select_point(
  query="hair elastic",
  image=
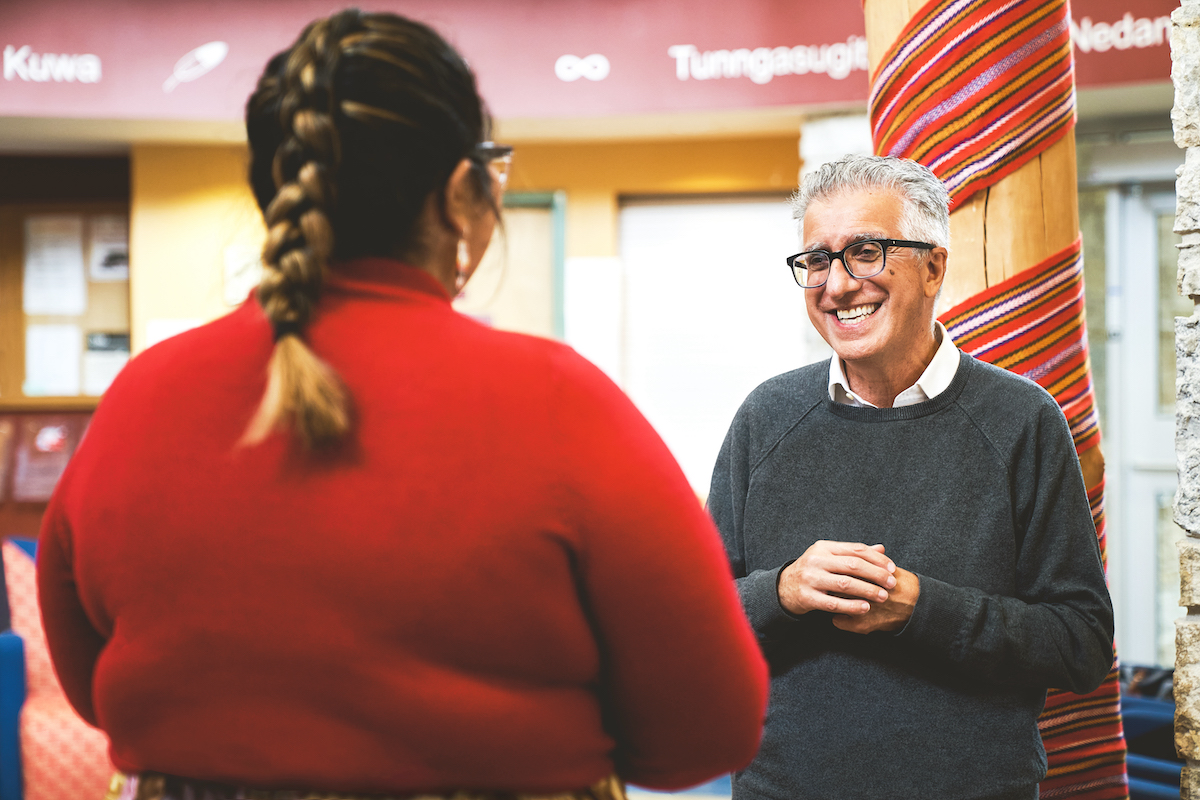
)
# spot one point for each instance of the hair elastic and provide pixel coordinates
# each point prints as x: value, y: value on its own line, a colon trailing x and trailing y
x: 286, y: 328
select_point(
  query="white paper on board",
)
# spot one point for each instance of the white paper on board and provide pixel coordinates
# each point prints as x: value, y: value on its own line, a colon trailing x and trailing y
x: 109, y: 248
x: 100, y: 369
x: 54, y: 281
x: 105, y: 356
x: 52, y: 360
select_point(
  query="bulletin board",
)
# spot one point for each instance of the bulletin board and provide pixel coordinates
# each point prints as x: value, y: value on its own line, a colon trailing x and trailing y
x: 64, y: 304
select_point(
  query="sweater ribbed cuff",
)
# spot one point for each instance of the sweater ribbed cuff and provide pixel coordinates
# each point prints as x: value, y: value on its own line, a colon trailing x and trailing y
x: 942, y: 613
x: 760, y: 599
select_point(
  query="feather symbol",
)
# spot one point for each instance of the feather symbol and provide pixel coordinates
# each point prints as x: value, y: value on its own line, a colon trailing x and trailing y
x: 196, y: 63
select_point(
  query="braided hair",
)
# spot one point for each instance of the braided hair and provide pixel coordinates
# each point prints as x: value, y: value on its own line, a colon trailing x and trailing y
x: 350, y: 131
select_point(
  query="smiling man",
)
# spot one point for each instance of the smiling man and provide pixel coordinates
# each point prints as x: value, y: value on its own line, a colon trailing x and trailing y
x: 908, y: 527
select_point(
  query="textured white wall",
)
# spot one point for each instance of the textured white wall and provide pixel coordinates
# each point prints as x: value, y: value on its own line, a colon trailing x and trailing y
x: 1185, y: 117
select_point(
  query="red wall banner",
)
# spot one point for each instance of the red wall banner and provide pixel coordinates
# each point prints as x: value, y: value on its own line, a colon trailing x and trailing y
x: 198, y: 59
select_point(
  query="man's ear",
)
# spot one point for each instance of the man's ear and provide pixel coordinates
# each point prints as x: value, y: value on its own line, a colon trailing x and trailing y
x: 460, y: 203
x: 935, y: 271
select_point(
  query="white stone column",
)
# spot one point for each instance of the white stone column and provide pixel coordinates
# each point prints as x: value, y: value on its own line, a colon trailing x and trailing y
x: 1185, y: 118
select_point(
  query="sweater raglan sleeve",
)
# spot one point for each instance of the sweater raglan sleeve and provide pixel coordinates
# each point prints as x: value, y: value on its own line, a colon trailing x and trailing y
x: 1058, y: 629
x: 74, y: 643
x: 758, y: 589
x: 684, y: 684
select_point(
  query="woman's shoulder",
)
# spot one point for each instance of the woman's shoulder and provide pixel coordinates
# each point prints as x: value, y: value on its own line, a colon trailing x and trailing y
x: 552, y: 372
x: 194, y: 351
x: 556, y: 359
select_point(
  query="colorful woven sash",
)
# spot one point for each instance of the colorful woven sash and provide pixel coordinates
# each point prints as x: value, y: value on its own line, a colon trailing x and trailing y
x: 1033, y: 324
x: 973, y: 89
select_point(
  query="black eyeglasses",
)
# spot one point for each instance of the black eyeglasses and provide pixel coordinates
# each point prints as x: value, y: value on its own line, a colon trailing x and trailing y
x: 864, y: 259
x: 496, y: 156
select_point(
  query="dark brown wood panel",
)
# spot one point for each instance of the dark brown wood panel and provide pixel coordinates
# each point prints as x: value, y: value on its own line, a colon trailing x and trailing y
x: 21, y: 519
x: 59, y: 179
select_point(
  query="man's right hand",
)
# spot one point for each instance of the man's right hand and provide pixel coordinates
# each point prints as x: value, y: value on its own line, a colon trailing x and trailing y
x: 840, y: 577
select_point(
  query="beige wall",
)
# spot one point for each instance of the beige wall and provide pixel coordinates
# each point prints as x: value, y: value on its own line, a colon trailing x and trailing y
x: 191, y: 203
x: 188, y: 205
x: 596, y: 175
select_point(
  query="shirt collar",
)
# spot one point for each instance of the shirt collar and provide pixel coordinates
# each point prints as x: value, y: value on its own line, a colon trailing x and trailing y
x: 373, y: 275
x: 938, y: 375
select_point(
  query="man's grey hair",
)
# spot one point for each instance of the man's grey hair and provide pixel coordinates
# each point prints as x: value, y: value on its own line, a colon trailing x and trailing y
x: 925, y: 216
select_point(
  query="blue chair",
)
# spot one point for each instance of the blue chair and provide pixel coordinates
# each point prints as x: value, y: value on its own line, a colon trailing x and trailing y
x: 12, y: 691
x: 1154, y: 770
x: 12, y: 697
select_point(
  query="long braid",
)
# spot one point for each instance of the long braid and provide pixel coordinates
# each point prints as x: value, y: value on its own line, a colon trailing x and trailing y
x: 351, y: 130
x: 303, y: 392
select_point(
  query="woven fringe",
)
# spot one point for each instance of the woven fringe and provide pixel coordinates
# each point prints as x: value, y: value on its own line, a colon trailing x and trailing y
x: 153, y: 786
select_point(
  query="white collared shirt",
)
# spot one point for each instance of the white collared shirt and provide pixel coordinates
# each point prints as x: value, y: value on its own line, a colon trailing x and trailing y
x: 933, y: 381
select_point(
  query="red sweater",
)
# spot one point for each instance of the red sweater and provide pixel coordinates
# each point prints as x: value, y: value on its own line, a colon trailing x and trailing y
x: 502, y: 579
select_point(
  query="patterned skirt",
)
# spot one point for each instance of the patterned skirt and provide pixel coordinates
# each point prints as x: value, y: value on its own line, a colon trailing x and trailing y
x: 153, y: 786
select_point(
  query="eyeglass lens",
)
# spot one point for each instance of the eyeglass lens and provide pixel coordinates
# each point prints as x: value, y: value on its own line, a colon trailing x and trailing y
x: 502, y: 166
x: 498, y: 158
x: 862, y: 260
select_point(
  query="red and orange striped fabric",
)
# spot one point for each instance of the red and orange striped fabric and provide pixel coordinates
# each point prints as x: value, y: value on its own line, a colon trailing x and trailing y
x: 973, y: 89
x: 1033, y: 324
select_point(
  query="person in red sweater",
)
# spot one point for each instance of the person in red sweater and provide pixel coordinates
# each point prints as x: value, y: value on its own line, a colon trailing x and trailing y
x: 346, y: 540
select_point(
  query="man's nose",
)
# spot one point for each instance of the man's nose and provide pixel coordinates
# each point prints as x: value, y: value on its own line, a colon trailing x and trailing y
x: 840, y: 281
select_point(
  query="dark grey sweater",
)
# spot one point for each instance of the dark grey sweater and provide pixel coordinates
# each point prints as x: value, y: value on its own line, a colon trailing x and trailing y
x: 978, y: 491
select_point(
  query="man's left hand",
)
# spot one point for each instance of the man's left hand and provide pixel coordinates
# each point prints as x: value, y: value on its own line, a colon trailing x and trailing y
x: 890, y: 615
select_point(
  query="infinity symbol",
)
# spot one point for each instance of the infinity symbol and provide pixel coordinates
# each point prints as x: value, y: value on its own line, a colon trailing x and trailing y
x: 571, y: 68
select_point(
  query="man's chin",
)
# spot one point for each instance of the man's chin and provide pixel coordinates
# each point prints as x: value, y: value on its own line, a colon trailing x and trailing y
x: 848, y: 342
x: 851, y: 350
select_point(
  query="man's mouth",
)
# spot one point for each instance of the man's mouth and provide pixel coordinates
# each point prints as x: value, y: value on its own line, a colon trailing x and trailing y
x: 856, y: 314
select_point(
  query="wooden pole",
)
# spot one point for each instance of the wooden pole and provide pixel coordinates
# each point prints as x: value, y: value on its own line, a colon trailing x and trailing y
x: 1016, y: 223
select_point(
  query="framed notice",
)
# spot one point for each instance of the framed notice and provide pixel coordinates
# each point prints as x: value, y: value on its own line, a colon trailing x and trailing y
x: 108, y: 248
x: 44, y: 444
